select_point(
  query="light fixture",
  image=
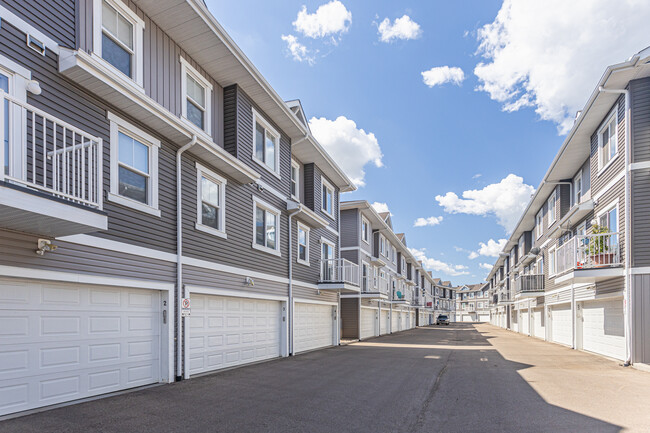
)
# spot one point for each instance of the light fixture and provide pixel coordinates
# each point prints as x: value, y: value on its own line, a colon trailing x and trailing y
x: 250, y: 282
x: 34, y: 87
x: 45, y: 245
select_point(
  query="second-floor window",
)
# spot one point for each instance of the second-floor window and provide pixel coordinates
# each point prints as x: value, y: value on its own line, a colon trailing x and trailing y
x: 118, y: 37
x: 552, y: 269
x: 539, y: 224
x: 266, y: 228
x: 295, y: 179
x: 577, y: 188
x: 197, y: 95
x: 303, y: 244
x: 328, y: 198
x: 266, y: 144
x: 551, y: 208
x: 607, y: 140
x: 365, y: 230
x: 211, y: 202
x: 382, y: 245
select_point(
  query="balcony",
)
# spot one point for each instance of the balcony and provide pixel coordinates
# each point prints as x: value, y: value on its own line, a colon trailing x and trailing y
x: 504, y: 298
x: 339, y: 275
x: 402, y: 297
x: 374, y: 287
x: 589, y: 258
x: 531, y: 284
x: 51, y: 184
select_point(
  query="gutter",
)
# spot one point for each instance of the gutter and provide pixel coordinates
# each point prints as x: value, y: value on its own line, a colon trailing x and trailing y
x: 627, y: 298
x: 179, y: 257
x: 290, y: 306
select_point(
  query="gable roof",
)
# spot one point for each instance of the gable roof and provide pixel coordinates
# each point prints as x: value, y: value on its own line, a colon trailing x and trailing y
x: 296, y: 108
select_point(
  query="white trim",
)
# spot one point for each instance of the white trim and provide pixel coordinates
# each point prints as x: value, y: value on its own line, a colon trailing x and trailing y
x: 221, y: 182
x: 258, y: 118
x: 295, y: 164
x: 369, y: 229
x: 643, y: 165
x: 640, y: 270
x: 133, y: 204
x: 122, y: 247
x: 332, y: 230
x: 350, y: 248
x: 188, y: 69
x: 551, y: 251
x: 257, y: 202
x: 612, y: 114
x: 539, y: 226
x: 313, y: 301
x: 204, y: 290
x: 605, y: 189
x: 27, y: 28
x: 73, y: 277
x: 325, y: 183
x: 548, y: 208
x: 265, y: 186
x: 138, y: 38
x: 306, y: 229
x: 16, y: 68
x: 574, y: 190
x: 608, y: 207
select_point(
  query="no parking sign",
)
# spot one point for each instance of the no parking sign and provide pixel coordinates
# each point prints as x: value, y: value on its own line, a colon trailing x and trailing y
x: 185, y: 307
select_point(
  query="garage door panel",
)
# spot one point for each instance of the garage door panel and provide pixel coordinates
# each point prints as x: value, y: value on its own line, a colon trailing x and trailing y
x: 368, y: 319
x: 384, y: 322
x: 603, y: 328
x: 561, y: 327
x: 313, y: 327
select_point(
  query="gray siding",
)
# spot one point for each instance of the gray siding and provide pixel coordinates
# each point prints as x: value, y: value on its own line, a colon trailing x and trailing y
x: 211, y: 278
x: 307, y: 293
x: 641, y: 318
x: 55, y: 18
x: 640, y: 224
x: 350, y: 228
x: 350, y: 318
x: 600, y: 180
x: 640, y: 119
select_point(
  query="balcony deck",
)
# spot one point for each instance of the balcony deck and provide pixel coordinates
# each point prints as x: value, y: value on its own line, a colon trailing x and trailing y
x: 589, y: 258
x: 339, y: 275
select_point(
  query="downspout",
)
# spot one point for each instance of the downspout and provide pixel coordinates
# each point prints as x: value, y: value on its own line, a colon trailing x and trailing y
x: 573, y: 318
x: 627, y: 298
x: 179, y: 257
x: 290, y: 306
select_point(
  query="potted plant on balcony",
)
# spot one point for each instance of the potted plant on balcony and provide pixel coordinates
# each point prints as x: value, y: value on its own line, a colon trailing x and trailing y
x: 598, y: 247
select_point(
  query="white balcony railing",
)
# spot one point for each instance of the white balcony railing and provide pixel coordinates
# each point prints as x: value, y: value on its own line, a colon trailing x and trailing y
x: 339, y: 271
x: 382, y: 285
x: 48, y: 154
x: 589, y: 252
x: 529, y: 283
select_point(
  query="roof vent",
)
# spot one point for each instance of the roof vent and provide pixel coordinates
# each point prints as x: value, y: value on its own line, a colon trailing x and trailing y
x: 36, y: 45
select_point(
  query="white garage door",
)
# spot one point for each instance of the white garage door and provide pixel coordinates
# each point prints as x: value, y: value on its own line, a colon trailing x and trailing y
x: 483, y: 317
x: 561, y: 324
x: 225, y: 331
x: 395, y: 321
x: 62, y: 342
x: 603, y: 328
x: 523, y: 322
x: 405, y: 320
x: 313, y: 327
x: 539, y: 325
x: 368, y: 320
x: 466, y: 318
x: 412, y: 322
x: 384, y: 322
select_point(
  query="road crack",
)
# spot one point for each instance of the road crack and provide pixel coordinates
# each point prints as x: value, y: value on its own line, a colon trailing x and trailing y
x: 419, y: 420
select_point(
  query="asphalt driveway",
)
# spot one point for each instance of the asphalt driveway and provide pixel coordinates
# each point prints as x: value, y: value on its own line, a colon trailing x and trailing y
x: 460, y: 378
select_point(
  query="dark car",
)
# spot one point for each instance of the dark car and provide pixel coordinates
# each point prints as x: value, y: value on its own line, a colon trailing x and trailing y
x: 442, y: 319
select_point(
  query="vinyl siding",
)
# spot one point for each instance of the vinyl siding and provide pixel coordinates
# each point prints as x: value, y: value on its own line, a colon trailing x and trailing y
x: 641, y: 318
x: 55, y: 18
x: 640, y: 119
x: 600, y: 180
x: 350, y: 228
x: 640, y: 224
x: 350, y: 318
x: 210, y: 278
x: 312, y: 294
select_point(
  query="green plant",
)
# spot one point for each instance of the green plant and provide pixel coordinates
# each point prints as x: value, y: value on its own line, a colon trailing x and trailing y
x: 598, y: 244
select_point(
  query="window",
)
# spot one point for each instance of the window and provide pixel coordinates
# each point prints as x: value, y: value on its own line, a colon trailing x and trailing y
x: 608, y: 140
x: 609, y: 219
x: 4, y: 85
x: 266, y: 144
x: 327, y: 260
x: 197, y: 97
x: 13, y: 81
x: 552, y: 268
x: 295, y: 180
x: 266, y: 227
x: 328, y: 197
x: 539, y: 227
x: 211, y: 205
x: 551, y: 208
x: 480, y: 305
x: 394, y: 256
x: 118, y: 37
x: 303, y: 244
x: 365, y: 284
x: 134, y: 167
x: 577, y: 188
x: 540, y: 266
x: 471, y: 295
x: 403, y: 265
x: 382, y: 245
x: 365, y: 230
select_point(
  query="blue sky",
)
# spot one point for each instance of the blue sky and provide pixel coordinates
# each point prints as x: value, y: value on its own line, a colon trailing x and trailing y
x: 434, y: 140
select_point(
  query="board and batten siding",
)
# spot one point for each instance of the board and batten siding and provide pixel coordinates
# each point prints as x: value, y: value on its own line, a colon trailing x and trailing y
x: 64, y: 99
x: 640, y: 179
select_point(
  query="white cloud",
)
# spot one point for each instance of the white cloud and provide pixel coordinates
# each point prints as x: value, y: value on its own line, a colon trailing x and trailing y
x: 550, y: 54
x: 443, y: 74
x: 473, y: 255
x: 431, y: 221
x: 298, y: 51
x: 401, y: 28
x: 506, y: 200
x: 477, y: 175
x: 486, y: 266
x: 492, y: 248
x: 437, y: 265
x: 352, y: 148
x: 330, y: 19
x: 380, y: 207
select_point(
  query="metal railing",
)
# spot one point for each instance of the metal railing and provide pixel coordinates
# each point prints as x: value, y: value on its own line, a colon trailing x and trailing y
x: 504, y: 297
x: 48, y: 154
x: 382, y: 285
x: 589, y: 252
x: 529, y: 283
x: 339, y: 271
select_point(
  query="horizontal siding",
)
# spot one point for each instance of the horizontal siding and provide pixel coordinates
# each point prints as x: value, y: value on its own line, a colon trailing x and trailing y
x: 215, y: 279
x: 640, y: 223
x: 640, y: 119
x: 600, y: 180
x: 55, y: 18
x: 350, y: 228
x: 312, y: 294
x: 610, y: 286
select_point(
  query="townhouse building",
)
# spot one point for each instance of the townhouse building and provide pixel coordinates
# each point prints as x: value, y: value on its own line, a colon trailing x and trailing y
x: 163, y: 212
x: 576, y: 269
x: 444, y: 299
x: 396, y: 293
x: 473, y: 303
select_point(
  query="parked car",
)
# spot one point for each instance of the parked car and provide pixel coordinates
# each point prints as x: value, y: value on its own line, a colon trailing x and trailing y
x: 443, y: 319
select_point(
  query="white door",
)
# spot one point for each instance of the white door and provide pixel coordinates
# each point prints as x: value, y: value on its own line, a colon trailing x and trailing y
x: 523, y: 322
x: 61, y: 342
x: 368, y: 320
x: 395, y: 321
x: 313, y: 327
x: 603, y: 328
x: 467, y: 318
x: 405, y: 320
x: 228, y: 331
x: 484, y: 318
x: 539, y: 325
x: 412, y: 323
x: 561, y: 331
x: 384, y: 322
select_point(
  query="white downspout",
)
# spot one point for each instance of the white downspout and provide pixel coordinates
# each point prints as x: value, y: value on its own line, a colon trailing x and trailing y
x: 290, y: 306
x: 627, y: 298
x: 179, y: 255
x: 573, y: 318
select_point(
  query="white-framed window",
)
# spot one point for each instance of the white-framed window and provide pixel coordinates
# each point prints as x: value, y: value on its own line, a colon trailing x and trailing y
x: 134, y: 166
x: 608, y: 140
x: 266, y: 144
x: 13, y: 81
x: 382, y: 245
x: 551, y: 208
x: 118, y: 34
x: 303, y: 244
x: 403, y: 265
x: 581, y: 230
x: 211, y: 201
x: 197, y: 98
x: 540, y: 265
x: 365, y: 277
x: 266, y: 233
x: 295, y: 180
x: 327, y: 197
x: 394, y: 255
x: 577, y: 188
x: 609, y: 218
x: 365, y: 230
x: 552, y: 265
x: 480, y: 305
x: 539, y: 223
x: 327, y: 257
